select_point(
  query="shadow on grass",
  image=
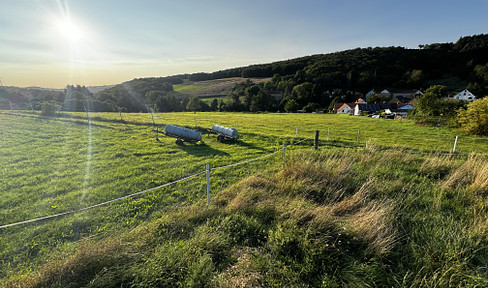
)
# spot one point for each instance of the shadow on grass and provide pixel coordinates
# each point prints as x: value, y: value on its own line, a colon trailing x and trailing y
x: 201, y: 150
x: 61, y: 119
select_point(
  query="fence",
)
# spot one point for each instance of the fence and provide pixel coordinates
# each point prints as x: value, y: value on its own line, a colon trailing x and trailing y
x: 207, y: 172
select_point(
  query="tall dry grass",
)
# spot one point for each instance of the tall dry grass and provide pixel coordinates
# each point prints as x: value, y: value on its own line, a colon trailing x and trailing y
x: 472, y: 174
x: 91, y: 265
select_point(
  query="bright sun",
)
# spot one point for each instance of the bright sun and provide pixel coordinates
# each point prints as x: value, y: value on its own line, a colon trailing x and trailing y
x: 70, y: 30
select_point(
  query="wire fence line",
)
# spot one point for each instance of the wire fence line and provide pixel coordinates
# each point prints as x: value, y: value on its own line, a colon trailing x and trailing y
x: 198, y: 174
x: 140, y: 192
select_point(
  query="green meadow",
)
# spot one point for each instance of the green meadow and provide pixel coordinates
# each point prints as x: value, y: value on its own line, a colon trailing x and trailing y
x: 427, y: 218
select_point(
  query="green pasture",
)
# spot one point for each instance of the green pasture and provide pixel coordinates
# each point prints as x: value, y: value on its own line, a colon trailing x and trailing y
x: 188, y: 88
x: 53, y: 165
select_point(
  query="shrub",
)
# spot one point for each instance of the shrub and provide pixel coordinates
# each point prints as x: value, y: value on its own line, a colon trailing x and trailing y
x: 474, y: 120
x: 49, y: 108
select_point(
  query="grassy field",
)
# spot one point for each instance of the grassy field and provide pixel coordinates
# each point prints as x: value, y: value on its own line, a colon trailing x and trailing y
x: 212, y: 87
x: 51, y: 166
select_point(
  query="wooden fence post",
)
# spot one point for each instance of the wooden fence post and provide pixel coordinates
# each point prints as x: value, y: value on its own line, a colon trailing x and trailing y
x: 316, y: 140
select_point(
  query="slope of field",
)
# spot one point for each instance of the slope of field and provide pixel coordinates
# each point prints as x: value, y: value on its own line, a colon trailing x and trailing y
x: 56, y: 165
x: 212, y: 88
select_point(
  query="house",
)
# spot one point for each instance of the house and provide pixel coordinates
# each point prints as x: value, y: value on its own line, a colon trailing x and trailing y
x: 385, y: 93
x: 465, y: 95
x: 371, y: 92
x: 407, y: 107
x: 370, y: 108
x: 360, y: 101
x: 346, y: 108
x: 399, y: 99
x: 406, y: 94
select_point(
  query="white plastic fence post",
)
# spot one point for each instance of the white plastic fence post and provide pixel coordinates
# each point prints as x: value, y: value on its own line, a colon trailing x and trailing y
x: 207, y: 168
x: 455, y: 144
x: 195, y: 118
x: 359, y: 134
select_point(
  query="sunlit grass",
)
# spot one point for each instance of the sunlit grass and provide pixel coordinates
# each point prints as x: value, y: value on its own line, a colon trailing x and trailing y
x: 52, y: 165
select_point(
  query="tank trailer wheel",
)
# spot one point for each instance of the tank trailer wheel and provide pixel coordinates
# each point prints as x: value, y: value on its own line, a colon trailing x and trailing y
x: 220, y: 138
x: 179, y: 142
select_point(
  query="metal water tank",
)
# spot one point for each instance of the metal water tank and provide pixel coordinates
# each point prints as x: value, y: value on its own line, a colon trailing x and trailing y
x: 184, y: 133
x: 229, y: 132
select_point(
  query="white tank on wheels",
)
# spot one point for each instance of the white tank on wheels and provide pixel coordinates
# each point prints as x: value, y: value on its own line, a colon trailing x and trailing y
x: 183, y: 133
x: 227, y: 132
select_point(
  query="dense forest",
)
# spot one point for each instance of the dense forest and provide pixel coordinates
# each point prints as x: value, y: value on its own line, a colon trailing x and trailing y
x: 307, y: 83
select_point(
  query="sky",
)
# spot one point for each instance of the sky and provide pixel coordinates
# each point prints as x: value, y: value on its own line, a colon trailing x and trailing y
x: 52, y: 43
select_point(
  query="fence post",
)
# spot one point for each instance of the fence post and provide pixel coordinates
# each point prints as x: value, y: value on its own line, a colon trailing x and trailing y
x: 359, y: 134
x: 284, y: 149
x: 316, y: 140
x: 328, y: 134
x: 195, y: 118
x: 455, y: 144
x: 207, y: 168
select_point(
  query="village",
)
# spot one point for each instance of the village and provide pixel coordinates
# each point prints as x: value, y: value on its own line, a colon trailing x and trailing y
x: 400, y: 105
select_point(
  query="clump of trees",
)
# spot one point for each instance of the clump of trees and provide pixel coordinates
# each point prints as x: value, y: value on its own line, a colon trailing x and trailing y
x: 474, y: 119
x: 434, y: 102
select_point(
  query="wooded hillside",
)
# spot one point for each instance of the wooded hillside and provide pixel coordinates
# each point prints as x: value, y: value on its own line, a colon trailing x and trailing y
x: 459, y: 65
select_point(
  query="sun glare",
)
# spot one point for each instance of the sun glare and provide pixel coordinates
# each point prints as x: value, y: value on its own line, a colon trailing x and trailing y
x: 70, y: 30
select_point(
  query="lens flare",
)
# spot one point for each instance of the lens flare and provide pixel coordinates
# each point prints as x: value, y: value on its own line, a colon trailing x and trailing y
x: 70, y: 30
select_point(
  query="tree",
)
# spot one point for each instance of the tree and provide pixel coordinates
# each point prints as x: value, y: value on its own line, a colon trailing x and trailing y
x: 302, y: 93
x: 429, y: 104
x: 291, y: 106
x: 250, y: 92
x: 157, y: 101
x: 262, y: 102
x: 49, y: 108
x: 194, y: 104
x: 474, y: 119
x: 214, y: 106
x: 221, y: 105
x: 337, y: 99
x: 311, y: 107
x: 378, y: 98
x: 77, y: 98
x: 438, y: 91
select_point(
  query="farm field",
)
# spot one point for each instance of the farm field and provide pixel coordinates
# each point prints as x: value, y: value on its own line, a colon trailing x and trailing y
x: 208, y: 88
x: 67, y: 163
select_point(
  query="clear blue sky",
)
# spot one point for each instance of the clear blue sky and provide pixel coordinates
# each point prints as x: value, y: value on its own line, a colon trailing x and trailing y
x: 51, y: 43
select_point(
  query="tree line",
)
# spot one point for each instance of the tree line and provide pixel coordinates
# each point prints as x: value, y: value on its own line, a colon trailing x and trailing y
x: 307, y: 83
